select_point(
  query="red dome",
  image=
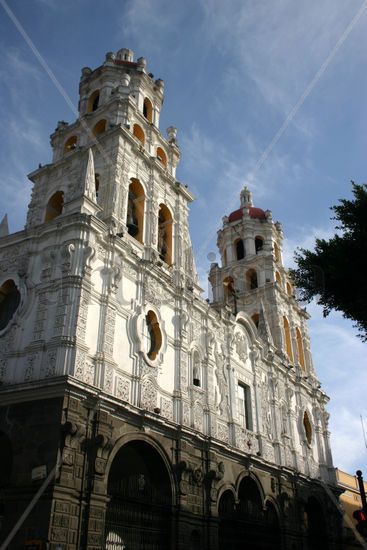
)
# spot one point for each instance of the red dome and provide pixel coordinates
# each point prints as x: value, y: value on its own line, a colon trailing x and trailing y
x: 253, y: 211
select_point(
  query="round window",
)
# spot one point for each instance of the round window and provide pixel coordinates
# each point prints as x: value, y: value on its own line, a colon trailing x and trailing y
x: 9, y: 302
x: 152, y: 335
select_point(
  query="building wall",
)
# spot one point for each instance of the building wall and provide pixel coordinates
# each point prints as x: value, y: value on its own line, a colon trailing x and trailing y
x: 114, y: 331
x: 350, y: 500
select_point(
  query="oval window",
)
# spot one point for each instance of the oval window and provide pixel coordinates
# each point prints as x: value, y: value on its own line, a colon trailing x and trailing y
x: 307, y: 427
x: 9, y: 302
x: 152, y: 335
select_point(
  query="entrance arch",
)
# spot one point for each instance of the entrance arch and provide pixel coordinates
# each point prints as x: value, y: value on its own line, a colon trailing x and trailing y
x: 228, y: 536
x: 138, y: 515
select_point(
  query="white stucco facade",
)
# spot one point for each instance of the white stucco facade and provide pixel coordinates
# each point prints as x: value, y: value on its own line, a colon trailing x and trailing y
x: 89, y: 289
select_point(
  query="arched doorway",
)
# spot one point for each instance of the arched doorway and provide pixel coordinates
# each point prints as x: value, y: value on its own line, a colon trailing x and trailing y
x: 272, y: 534
x: 228, y: 533
x: 317, y: 538
x: 138, y: 515
x: 258, y: 526
x: 6, y: 466
x: 250, y: 514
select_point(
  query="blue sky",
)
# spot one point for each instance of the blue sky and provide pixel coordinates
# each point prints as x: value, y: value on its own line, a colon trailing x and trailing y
x: 233, y: 73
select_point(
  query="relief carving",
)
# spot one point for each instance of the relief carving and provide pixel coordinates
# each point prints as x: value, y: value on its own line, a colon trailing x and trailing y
x: 123, y: 389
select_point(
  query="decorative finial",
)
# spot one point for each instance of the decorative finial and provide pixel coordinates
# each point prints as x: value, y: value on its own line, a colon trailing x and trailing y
x: 4, y: 227
x: 263, y: 327
x: 246, y: 197
x: 90, y: 179
x: 171, y: 133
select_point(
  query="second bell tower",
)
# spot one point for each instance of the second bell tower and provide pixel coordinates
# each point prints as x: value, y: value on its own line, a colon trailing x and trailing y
x: 252, y: 278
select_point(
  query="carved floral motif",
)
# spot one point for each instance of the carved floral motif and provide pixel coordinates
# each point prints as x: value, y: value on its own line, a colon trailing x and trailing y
x: 166, y: 408
x: 123, y: 389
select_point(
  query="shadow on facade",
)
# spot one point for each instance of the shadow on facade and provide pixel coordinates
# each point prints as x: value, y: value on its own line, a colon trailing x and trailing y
x: 146, y: 506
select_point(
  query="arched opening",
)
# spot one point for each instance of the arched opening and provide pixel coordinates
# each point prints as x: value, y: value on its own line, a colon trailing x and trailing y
x: 317, y: 538
x: 138, y: 133
x: 289, y: 289
x: 287, y: 339
x: 9, y: 302
x: 54, y: 206
x: 228, y: 536
x: 278, y: 278
x: 93, y: 102
x: 138, y: 514
x: 272, y: 530
x: 250, y: 514
x: 195, y: 540
x: 251, y: 279
x: 148, y: 110
x: 240, y: 249
x: 256, y: 318
x: 228, y: 288
x: 196, y: 369
x: 99, y: 128
x: 307, y: 427
x: 300, y: 351
x: 6, y: 467
x: 259, y: 244
x: 152, y: 335
x: 276, y: 252
x: 161, y: 156
x: 165, y: 234
x: 70, y: 144
x: 135, y: 210
x: 250, y: 502
x: 96, y: 182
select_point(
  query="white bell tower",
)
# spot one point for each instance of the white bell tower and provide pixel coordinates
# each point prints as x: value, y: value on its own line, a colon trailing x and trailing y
x: 252, y: 278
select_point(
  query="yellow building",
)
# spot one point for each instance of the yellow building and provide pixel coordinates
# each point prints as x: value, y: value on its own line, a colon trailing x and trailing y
x: 350, y: 501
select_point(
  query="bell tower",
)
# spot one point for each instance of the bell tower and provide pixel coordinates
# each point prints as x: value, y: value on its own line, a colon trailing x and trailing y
x: 253, y: 279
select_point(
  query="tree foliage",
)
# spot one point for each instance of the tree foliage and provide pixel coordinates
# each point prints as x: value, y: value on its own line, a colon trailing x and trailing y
x: 335, y: 271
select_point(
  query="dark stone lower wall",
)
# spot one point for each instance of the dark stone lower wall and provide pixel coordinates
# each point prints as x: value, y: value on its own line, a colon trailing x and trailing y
x: 89, y: 432
x: 31, y: 435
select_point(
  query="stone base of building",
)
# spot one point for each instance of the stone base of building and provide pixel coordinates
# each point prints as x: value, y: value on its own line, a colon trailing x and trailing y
x: 117, y: 477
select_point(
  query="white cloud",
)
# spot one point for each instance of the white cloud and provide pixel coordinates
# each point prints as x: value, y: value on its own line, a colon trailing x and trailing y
x: 304, y: 237
x: 347, y: 443
x: 279, y: 46
x: 148, y: 22
x: 340, y: 361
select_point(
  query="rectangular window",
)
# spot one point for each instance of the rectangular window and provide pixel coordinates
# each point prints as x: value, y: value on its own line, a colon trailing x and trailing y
x: 244, y: 406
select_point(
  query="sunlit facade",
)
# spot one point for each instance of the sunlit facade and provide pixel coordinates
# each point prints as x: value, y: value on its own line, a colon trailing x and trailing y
x: 164, y: 420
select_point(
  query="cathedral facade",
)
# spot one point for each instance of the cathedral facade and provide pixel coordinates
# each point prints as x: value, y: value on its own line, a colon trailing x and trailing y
x: 134, y: 413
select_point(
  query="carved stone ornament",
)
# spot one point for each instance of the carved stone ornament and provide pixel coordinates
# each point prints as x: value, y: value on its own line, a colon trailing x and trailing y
x: 29, y: 371
x: 2, y: 369
x: 108, y: 376
x: 12, y: 258
x: 100, y: 466
x: 50, y: 369
x: 198, y: 476
x: 222, y: 432
x: 79, y: 364
x: 122, y: 389
x: 222, y: 384
x: 148, y: 394
x: 198, y: 416
x: 167, y: 408
x: 239, y: 345
x: 186, y: 413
